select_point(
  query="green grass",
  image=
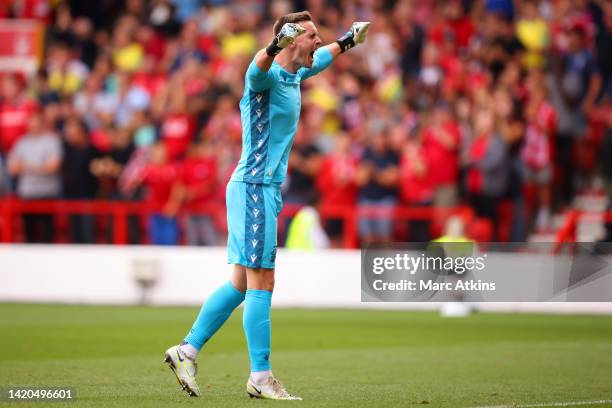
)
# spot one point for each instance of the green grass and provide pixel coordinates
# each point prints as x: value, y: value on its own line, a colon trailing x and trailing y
x: 112, y: 356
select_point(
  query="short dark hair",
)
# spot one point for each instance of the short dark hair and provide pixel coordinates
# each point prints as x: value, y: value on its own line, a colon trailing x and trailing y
x: 291, y: 18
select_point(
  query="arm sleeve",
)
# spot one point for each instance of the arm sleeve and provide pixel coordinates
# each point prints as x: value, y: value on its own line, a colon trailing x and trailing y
x: 322, y: 59
x: 258, y: 80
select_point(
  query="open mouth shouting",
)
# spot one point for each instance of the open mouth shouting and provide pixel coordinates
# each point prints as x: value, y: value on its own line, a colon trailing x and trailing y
x: 310, y: 58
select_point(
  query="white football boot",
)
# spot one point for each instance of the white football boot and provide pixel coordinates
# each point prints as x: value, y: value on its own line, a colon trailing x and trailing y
x: 271, y: 389
x: 184, y: 368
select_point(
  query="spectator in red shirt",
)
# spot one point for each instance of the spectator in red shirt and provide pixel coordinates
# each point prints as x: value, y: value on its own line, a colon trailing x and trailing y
x: 178, y: 126
x: 536, y: 151
x: 441, y: 142
x: 337, y: 185
x: 15, y: 109
x: 200, y: 180
x: 416, y: 184
x: 163, y: 195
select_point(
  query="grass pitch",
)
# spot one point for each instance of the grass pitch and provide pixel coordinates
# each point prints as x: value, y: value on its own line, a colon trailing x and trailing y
x: 112, y: 356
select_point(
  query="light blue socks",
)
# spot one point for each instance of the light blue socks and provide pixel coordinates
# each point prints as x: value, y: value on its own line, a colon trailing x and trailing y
x: 256, y: 323
x: 214, y: 312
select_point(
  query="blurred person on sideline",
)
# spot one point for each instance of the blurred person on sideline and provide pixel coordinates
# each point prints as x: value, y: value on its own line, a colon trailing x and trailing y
x: 487, y: 173
x: 177, y: 126
x: 109, y: 168
x: 441, y: 141
x: 161, y: 180
x: 306, y: 230
x: 35, y: 161
x: 304, y: 163
x: 66, y: 72
x: 199, y: 176
x: 126, y: 98
x: 533, y: 32
x: 511, y: 127
x: 377, y: 178
x: 605, y: 165
x: 417, y: 188
x: 574, y: 87
x: 536, y: 151
x: 15, y: 109
x: 337, y: 185
x: 78, y: 182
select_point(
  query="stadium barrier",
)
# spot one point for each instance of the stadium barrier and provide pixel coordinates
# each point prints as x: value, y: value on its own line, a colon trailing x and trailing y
x: 11, y: 209
x: 111, y: 274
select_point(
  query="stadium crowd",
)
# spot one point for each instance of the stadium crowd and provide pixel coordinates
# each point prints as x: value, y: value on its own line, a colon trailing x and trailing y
x: 448, y: 102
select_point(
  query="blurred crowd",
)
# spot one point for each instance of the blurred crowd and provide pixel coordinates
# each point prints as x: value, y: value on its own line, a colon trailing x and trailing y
x: 449, y: 102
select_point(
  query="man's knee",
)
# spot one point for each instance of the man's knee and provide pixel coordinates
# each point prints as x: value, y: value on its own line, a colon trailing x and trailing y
x: 239, y: 279
x: 261, y: 279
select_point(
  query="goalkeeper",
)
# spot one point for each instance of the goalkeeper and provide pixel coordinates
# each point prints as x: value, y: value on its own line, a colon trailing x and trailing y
x: 270, y: 109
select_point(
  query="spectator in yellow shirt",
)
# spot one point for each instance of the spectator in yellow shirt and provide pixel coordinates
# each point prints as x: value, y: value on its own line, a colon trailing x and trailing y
x: 533, y: 32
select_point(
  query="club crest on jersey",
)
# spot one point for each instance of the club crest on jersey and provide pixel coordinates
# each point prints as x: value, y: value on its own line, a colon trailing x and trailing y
x: 255, y: 227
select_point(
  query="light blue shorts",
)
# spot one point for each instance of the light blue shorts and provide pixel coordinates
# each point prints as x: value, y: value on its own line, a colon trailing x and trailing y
x: 252, y: 223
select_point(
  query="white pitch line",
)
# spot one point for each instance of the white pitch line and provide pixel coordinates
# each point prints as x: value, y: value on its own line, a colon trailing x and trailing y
x: 552, y: 404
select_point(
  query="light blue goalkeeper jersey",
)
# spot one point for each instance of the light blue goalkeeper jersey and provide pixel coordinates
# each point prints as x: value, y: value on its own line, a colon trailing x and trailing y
x: 270, y: 110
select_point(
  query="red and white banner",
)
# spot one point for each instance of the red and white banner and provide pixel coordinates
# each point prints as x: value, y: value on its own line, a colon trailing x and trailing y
x: 21, y: 45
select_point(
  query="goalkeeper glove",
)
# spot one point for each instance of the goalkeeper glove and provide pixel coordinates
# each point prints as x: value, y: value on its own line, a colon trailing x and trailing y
x: 356, y: 35
x: 285, y: 37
